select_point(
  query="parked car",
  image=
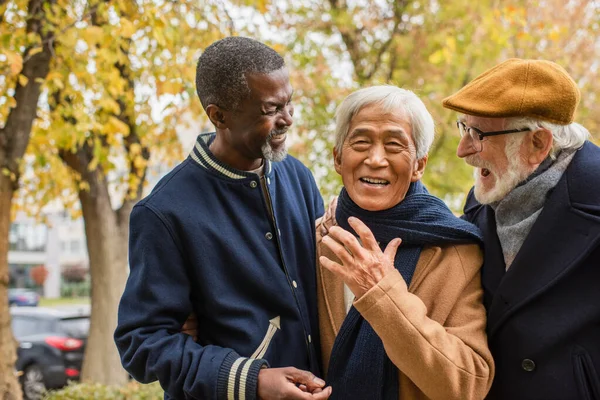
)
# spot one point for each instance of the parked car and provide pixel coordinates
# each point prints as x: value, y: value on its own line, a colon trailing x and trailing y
x: 51, y: 347
x: 23, y: 297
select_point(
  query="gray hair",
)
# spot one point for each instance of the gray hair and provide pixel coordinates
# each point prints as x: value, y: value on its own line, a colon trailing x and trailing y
x: 565, y: 137
x: 390, y: 98
x: 222, y: 69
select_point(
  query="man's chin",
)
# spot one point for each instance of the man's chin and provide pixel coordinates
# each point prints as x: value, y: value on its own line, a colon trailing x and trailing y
x: 271, y: 154
x: 484, y: 196
x: 502, y: 187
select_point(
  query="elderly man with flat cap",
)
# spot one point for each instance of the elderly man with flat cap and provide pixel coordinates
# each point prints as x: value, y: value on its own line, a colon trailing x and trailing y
x: 537, y: 200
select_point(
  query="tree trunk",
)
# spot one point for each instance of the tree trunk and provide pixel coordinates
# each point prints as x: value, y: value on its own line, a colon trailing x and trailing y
x: 107, y: 237
x: 9, y: 385
x: 14, y: 137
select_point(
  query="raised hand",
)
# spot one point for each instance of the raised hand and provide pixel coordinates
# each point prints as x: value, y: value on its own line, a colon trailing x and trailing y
x: 363, y: 266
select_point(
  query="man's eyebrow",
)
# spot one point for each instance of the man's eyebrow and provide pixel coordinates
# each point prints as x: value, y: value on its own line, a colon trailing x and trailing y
x: 395, y: 132
x: 276, y: 103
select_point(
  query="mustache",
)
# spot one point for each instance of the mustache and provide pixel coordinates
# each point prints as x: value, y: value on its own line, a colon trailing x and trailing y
x: 276, y: 132
x: 476, y: 162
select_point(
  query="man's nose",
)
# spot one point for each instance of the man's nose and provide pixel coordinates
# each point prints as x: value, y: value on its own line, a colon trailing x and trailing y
x: 465, y: 147
x: 287, y: 118
x: 377, y: 157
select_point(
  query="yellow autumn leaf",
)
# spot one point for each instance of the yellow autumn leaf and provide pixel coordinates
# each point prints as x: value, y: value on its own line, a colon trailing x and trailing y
x: 437, y: 57
x: 169, y: 87
x: 15, y: 61
x: 115, y: 125
x: 135, y: 149
x: 23, y: 80
x: 127, y: 29
x: 33, y: 51
x: 139, y: 162
x: 92, y: 34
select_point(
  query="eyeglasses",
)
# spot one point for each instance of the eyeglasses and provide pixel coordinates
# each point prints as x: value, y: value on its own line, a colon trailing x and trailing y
x: 477, y: 136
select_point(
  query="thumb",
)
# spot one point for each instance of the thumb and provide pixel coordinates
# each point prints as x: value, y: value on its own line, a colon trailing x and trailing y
x: 307, y: 378
x: 391, y: 249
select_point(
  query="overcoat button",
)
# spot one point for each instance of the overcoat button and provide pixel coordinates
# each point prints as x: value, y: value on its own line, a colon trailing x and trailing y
x: 269, y: 235
x: 528, y: 365
x: 253, y: 184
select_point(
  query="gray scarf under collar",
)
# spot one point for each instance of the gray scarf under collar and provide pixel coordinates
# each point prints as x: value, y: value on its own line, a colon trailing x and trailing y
x: 517, y: 212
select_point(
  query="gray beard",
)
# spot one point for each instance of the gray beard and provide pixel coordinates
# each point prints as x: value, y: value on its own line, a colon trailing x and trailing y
x: 273, y: 155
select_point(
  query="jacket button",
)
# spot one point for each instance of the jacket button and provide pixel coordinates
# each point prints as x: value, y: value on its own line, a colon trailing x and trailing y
x: 295, y: 284
x: 528, y: 365
x: 269, y: 235
x: 253, y: 184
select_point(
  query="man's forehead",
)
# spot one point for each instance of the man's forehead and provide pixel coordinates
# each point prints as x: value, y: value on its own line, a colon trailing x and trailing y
x: 265, y: 86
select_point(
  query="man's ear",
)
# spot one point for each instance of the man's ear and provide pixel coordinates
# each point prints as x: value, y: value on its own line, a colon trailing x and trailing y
x: 337, y: 161
x: 419, y: 168
x: 216, y: 116
x: 539, y: 144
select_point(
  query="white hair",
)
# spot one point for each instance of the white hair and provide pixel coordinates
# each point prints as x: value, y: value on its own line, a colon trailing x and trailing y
x: 390, y: 98
x: 565, y: 137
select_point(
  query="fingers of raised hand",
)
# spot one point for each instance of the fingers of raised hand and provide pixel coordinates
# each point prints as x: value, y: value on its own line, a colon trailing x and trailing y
x: 347, y: 239
x: 338, y: 249
x: 333, y: 267
x: 391, y: 249
x: 365, y: 234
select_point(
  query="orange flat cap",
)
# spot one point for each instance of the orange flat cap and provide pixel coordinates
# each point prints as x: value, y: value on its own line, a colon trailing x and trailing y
x: 520, y: 88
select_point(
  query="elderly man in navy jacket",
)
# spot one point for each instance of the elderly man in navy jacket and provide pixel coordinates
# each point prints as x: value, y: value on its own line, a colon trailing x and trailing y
x: 537, y: 200
x: 229, y: 236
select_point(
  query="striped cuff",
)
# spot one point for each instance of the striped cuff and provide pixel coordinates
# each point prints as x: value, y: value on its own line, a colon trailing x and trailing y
x: 238, y: 377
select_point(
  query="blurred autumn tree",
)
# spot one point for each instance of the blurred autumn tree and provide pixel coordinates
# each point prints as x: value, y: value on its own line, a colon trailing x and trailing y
x: 26, y: 35
x: 118, y: 79
x: 432, y: 48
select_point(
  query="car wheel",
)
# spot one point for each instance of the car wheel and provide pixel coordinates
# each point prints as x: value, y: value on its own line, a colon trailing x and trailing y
x: 33, y: 384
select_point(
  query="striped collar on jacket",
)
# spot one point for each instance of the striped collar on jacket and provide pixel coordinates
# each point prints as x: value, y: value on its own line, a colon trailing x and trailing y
x: 203, y: 156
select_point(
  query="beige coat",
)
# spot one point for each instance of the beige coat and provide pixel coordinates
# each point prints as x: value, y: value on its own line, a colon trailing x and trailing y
x: 434, y: 332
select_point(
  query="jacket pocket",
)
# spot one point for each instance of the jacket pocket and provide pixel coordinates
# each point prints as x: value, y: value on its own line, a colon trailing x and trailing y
x: 274, y: 326
x: 587, y: 378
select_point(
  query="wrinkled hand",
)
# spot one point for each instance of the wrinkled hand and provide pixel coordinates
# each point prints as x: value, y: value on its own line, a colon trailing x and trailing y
x: 328, y: 219
x: 363, y: 266
x: 290, y: 383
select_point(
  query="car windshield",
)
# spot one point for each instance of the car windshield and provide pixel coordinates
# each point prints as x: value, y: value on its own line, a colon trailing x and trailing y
x: 75, y: 327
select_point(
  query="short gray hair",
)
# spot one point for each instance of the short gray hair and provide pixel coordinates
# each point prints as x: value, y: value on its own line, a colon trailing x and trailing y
x: 222, y: 69
x: 565, y: 137
x: 390, y: 98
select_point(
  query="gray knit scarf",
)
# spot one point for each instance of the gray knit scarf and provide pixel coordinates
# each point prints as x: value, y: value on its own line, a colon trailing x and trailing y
x: 517, y: 212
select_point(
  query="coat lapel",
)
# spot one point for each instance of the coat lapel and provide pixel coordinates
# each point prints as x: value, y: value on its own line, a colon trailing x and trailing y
x: 494, y: 266
x: 563, y: 234
x: 333, y: 292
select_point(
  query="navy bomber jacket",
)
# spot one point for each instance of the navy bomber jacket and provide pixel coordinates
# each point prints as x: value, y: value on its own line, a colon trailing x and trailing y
x: 203, y: 241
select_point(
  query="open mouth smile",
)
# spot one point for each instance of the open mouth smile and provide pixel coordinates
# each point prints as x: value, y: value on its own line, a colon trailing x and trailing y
x: 375, y: 181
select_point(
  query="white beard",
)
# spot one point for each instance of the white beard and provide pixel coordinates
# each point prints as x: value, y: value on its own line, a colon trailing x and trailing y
x: 505, y: 182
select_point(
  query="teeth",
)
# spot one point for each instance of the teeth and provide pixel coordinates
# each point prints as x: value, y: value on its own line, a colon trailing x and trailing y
x: 374, y: 181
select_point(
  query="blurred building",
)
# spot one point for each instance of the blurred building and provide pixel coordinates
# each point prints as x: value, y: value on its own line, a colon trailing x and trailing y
x: 56, y: 245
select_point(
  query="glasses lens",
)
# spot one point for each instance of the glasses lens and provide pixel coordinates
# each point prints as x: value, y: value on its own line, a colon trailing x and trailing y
x: 461, y: 128
x: 477, y: 144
